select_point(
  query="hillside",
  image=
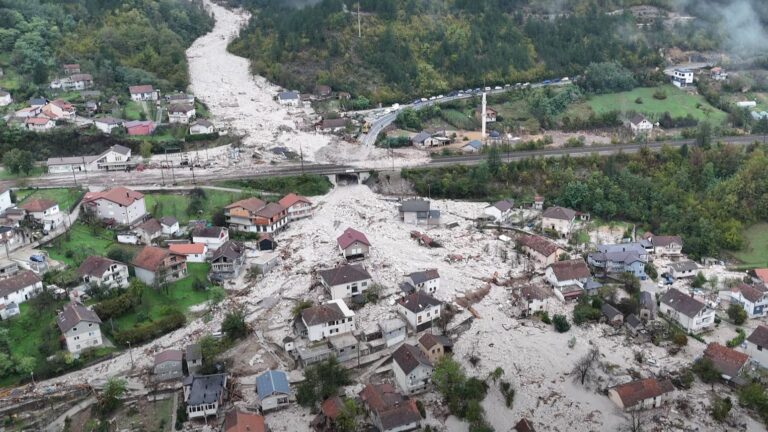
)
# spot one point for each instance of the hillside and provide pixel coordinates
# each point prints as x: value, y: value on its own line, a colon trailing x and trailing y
x: 119, y: 42
x: 415, y: 48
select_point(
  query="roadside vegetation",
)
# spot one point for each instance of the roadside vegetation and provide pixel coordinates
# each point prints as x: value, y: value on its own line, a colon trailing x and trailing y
x: 307, y: 184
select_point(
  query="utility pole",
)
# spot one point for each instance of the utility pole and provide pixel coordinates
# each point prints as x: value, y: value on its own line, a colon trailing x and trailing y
x: 301, y: 155
x: 73, y: 174
x: 359, y: 22
x: 85, y: 168
x: 173, y: 176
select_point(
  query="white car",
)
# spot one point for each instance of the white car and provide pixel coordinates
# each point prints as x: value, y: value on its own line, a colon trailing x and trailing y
x: 565, y: 79
x: 433, y: 98
x: 497, y: 88
x: 423, y: 99
x: 440, y: 97
x: 487, y: 89
x: 507, y: 85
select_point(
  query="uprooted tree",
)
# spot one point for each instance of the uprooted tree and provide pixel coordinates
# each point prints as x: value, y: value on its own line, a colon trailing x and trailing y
x: 585, y: 365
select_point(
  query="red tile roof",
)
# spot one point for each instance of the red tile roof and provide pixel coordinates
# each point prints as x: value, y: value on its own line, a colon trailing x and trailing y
x: 251, y: 204
x: 570, y: 270
x: 187, y: 249
x: 150, y: 257
x: 118, y: 195
x: 291, y: 199
x: 37, y: 120
x: 762, y: 274
x: 141, y: 89
x: 332, y: 407
x: 539, y: 244
x: 238, y: 421
x: 168, y: 355
x: 350, y: 236
x: 634, y: 392
x: 37, y: 205
x: 726, y: 360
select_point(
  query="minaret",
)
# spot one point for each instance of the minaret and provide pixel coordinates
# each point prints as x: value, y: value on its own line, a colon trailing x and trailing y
x: 482, y: 115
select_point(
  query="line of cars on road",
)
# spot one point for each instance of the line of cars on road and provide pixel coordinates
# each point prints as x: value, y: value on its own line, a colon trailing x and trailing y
x: 487, y: 89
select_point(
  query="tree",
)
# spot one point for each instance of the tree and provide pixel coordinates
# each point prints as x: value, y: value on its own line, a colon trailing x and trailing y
x: 234, y: 325
x: 608, y: 77
x: 321, y: 381
x: 585, y: 365
x: 347, y: 420
x: 651, y: 271
x: 494, y: 160
x: 18, y: 161
x: 704, y: 135
x: 561, y: 323
x: 706, y: 370
x: 631, y: 283
x: 217, y: 295
x: 721, y: 407
x: 25, y: 365
x: 737, y: 314
x: 145, y: 149
x: 699, y: 280
x: 300, y: 306
x: 210, y: 348
x: 109, y: 399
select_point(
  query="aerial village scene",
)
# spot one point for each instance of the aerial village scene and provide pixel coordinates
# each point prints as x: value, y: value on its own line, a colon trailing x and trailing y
x: 235, y: 255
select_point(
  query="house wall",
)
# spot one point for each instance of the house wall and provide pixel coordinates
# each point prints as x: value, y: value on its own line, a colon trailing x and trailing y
x: 394, y: 337
x: 173, y: 229
x: 344, y: 291
x: 422, y: 319
x: 552, y: 279
x: 23, y: 294
x: 5, y: 200
x: 115, y: 277
x: 415, y: 382
x: 703, y: 320
x: 539, y: 258
x: 205, y: 410
x: 105, y: 127
x: 196, y: 258
x: 274, y: 402
x: 671, y: 249
x: 198, y: 130
x: 144, y: 275
x: 212, y: 243
x: 106, y: 209
x: 754, y: 310
x: 758, y: 353
x: 356, y: 248
x: 168, y: 370
x: 431, y: 286
x: 333, y: 328
x: 433, y: 354
x: 299, y: 210
x: 83, y: 335
x: 562, y: 227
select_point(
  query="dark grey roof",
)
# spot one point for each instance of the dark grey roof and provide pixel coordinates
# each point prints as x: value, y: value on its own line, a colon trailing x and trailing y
x: 637, y: 119
x: 17, y: 282
x: 73, y: 314
x: 118, y: 148
x: 168, y: 220
x: 322, y: 314
x: 194, y: 352
x: 406, y: 287
x: 423, y: 276
x: 206, y: 389
x: 288, y: 95
x: 418, y: 301
x: 682, y: 303
x: 561, y: 213
x: 503, y: 205
x: 415, y: 205
x: 633, y: 321
x: 421, y: 137
x: 647, y: 300
x: 684, y: 266
x: 409, y: 357
x: 231, y: 250
x: 610, y: 312
x: 759, y: 336
x: 207, y: 232
x: 344, y: 274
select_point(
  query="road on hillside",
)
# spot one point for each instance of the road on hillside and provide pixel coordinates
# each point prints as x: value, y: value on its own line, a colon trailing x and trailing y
x: 158, y: 177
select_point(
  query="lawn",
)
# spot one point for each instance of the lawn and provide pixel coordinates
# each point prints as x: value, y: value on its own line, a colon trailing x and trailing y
x: 517, y: 112
x: 132, y: 111
x: 458, y: 119
x: 755, y: 252
x: 678, y: 103
x: 181, y: 294
x: 65, y: 197
x: 176, y: 205
x: 80, y: 242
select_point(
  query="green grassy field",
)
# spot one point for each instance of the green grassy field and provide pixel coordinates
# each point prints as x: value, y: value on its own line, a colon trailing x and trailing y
x: 181, y: 295
x: 458, y: 119
x: 65, y: 197
x: 132, y: 111
x: 755, y: 252
x: 678, y: 103
x: 81, y: 242
x: 176, y: 205
x: 517, y: 112
x: 308, y: 185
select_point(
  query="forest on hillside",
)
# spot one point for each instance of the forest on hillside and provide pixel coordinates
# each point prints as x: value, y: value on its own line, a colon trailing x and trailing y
x: 119, y: 42
x: 415, y: 48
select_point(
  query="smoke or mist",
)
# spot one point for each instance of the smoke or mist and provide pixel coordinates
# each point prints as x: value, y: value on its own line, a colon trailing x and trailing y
x: 740, y: 21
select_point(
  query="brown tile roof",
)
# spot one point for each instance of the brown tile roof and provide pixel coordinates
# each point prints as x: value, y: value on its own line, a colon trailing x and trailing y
x: 726, y: 360
x: 392, y: 408
x: 141, y: 89
x: 682, y: 302
x: 762, y: 274
x: 238, y: 421
x: 664, y: 241
x: 150, y: 226
x: 634, y: 392
x: 759, y: 336
x: 344, y: 274
x: 37, y: 120
x: 559, y: 213
x: 118, y: 195
x: 291, y: 199
x: 418, y: 301
x: 332, y: 407
x: 322, y: 314
x: 409, y: 357
x: 95, y: 266
x: 752, y: 293
x: 270, y: 210
x: 251, y: 204
x: 37, y: 205
x: 168, y: 355
x: 570, y: 270
x: 18, y: 281
x: 428, y: 340
x: 73, y: 314
x: 150, y: 257
x: 524, y: 426
x: 187, y: 249
x: 539, y: 244
x: 349, y: 236
x: 401, y: 415
x: 534, y: 292
x: 207, y: 232
x: 182, y: 108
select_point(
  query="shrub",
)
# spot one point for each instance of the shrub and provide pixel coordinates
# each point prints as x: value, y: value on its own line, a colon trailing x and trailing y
x: 422, y: 410
x: 680, y: 338
x: 737, y: 314
x: 639, y: 100
x: 544, y: 317
x: 115, y: 307
x: 738, y: 340
x: 720, y: 408
x: 561, y: 323
x: 660, y: 94
x: 148, y: 331
x: 706, y: 371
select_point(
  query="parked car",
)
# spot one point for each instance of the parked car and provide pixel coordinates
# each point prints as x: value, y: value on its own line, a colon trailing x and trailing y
x: 497, y: 88
x: 487, y: 89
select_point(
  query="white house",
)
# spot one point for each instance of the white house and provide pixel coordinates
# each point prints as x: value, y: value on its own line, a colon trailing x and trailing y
x: 107, y: 124
x: 540, y: 250
x: 39, y: 124
x: 568, y: 278
x: 753, y: 298
x: 120, y: 204
x: 692, y: 315
x: 413, y: 370
x: 5, y: 98
x: 43, y: 211
x: 203, y: 394
x: 389, y: 410
x: 143, y: 93
x: 195, y: 252
x: 19, y: 287
x: 201, y: 127
x: 427, y: 280
x: 115, y: 158
x: 298, y: 206
x: 500, y: 211
x: 419, y: 309
x: 169, y: 225
x: 346, y: 281
x: 329, y: 319
x: 757, y: 346
x: 665, y: 245
x: 273, y: 390
x: 103, y: 272
x: 682, y: 77
x: 181, y: 113
x: 151, y: 263
x: 80, y: 327
x: 640, y: 125
x: 5, y: 200
x: 531, y: 299
x: 641, y: 394
x: 211, y: 237
x: 558, y: 219
x: 683, y: 269
x: 289, y: 98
